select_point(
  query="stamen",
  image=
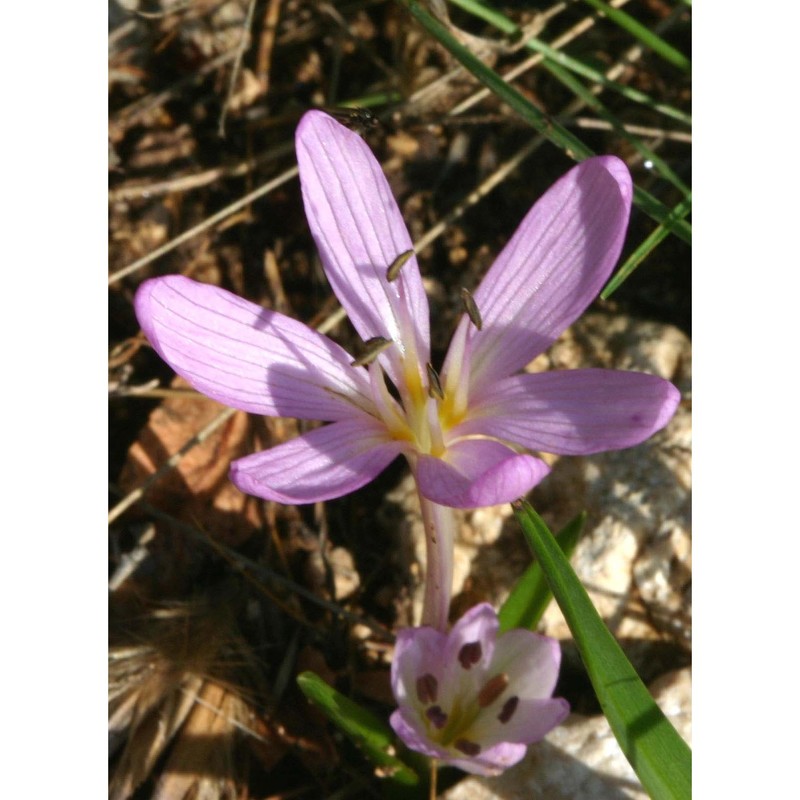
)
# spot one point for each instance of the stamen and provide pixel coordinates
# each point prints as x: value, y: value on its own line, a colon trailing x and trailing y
x: 470, y: 654
x: 456, y: 377
x: 436, y: 716
x: 492, y: 689
x: 374, y: 347
x: 394, y: 268
x: 387, y: 406
x: 434, y: 384
x: 471, y: 308
x: 467, y: 747
x: 427, y: 688
x: 509, y: 707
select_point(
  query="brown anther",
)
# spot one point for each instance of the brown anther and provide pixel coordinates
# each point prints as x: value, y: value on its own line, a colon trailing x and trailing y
x: 471, y: 308
x: 492, y: 689
x: 394, y: 268
x: 470, y: 654
x: 509, y: 707
x: 373, y: 348
x: 427, y: 688
x: 467, y: 747
x: 436, y: 716
x: 434, y: 384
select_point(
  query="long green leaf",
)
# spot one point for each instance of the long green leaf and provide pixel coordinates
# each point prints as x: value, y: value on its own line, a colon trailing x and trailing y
x: 514, y: 31
x: 661, y: 759
x: 643, y: 34
x: 371, y: 735
x: 531, y: 595
x: 579, y: 90
x: 644, y: 249
x: 544, y: 124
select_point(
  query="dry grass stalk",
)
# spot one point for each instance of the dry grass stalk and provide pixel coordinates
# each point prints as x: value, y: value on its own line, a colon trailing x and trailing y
x: 185, y: 691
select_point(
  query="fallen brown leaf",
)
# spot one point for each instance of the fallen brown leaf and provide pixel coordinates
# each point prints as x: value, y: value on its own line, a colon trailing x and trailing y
x: 197, y: 490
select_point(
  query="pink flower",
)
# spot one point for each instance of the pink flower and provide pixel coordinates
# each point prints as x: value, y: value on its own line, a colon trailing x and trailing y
x: 466, y: 432
x: 472, y: 698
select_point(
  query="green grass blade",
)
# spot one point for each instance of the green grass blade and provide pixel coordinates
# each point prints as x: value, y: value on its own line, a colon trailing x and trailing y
x: 508, y: 26
x: 644, y: 249
x: 544, y: 124
x: 553, y: 131
x: 579, y: 90
x: 660, y: 212
x: 643, y: 34
x: 661, y: 759
x: 531, y: 595
x: 372, y: 736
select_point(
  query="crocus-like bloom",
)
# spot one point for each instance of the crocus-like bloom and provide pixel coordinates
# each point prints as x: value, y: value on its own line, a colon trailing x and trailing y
x: 472, y: 698
x: 466, y: 431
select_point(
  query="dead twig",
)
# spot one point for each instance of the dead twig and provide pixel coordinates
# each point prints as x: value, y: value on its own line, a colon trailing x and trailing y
x: 638, y: 130
x: 267, y: 43
x: 204, y: 225
x: 171, y: 462
x: 185, y: 183
x: 237, y: 66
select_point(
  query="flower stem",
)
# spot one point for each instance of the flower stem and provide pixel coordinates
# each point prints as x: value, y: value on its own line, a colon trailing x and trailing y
x: 440, y: 524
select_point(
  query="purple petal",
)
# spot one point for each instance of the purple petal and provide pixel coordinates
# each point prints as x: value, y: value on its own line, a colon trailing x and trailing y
x: 246, y: 356
x: 407, y: 725
x: 327, y: 462
x: 359, y: 232
x: 479, y: 624
x: 551, y: 269
x: 531, y: 662
x: 531, y: 722
x: 574, y: 412
x: 491, y: 761
x: 418, y: 651
x: 468, y: 654
x: 476, y: 473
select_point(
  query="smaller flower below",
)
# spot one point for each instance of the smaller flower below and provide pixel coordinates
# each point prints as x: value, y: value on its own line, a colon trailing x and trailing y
x: 473, y: 698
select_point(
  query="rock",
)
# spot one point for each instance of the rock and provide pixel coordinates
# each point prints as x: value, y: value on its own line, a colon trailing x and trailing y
x: 345, y: 576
